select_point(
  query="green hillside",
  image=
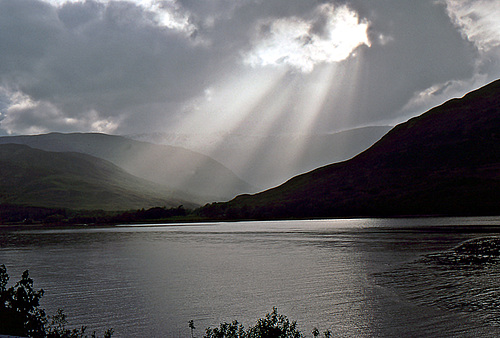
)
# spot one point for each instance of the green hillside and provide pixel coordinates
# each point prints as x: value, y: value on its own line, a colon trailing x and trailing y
x: 71, y: 180
x: 180, y: 169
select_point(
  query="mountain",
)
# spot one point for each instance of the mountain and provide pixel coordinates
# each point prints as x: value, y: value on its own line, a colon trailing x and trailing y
x: 77, y: 181
x: 268, y: 160
x: 178, y: 168
x: 444, y: 162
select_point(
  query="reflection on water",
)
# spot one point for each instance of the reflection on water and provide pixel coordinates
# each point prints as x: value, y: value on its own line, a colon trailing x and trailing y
x: 357, y: 277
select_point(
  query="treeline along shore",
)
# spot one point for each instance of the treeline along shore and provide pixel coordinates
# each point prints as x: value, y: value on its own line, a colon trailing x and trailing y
x: 16, y: 215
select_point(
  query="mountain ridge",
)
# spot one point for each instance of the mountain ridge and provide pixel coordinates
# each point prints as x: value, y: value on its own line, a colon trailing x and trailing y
x: 177, y: 168
x: 35, y: 177
x: 443, y: 162
x: 268, y: 160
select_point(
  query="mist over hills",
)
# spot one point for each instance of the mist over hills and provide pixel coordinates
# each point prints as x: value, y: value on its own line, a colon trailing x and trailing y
x: 444, y: 162
x: 73, y: 170
x: 35, y: 177
x: 268, y: 160
x: 194, y: 174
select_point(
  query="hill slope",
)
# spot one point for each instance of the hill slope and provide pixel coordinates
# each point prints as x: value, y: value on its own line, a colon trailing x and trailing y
x: 71, y: 180
x: 178, y: 168
x: 268, y: 160
x: 445, y: 162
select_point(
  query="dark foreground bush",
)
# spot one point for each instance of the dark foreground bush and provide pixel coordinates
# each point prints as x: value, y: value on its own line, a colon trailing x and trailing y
x: 273, y: 325
x: 21, y: 315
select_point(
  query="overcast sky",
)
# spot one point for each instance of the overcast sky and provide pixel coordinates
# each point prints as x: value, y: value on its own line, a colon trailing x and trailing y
x: 254, y: 66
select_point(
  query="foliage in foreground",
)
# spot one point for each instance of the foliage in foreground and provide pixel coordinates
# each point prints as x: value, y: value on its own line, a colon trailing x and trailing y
x: 21, y: 315
x: 273, y: 325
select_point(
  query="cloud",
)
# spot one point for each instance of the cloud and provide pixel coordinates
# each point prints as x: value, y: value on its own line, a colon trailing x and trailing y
x: 330, y: 36
x: 171, y: 14
x: 165, y: 13
x: 26, y: 116
x: 440, y: 92
x: 111, y: 58
x: 478, y: 21
x: 133, y: 66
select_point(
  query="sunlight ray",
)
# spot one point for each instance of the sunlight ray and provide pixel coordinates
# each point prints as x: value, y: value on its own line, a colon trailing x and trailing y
x: 221, y: 110
x: 312, y: 97
x: 310, y: 105
x: 290, y: 103
x: 343, y: 98
x: 336, y: 84
x: 271, y: 116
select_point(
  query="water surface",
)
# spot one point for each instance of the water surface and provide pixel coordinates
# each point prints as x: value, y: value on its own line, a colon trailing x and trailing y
x: 356, y: 277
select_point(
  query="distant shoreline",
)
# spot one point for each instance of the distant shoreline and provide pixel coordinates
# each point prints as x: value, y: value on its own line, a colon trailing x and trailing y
x: 194, y: 222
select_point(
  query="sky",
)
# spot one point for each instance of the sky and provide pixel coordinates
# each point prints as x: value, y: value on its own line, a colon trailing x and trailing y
x: 240, y: 66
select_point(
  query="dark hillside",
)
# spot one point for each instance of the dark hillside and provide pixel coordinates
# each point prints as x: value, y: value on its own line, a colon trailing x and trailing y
x: 444, y: 162
x: 77, y: 181
x: 174, y: 167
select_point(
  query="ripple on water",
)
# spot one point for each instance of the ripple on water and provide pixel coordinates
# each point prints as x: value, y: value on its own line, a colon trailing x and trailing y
x: 465, y: 279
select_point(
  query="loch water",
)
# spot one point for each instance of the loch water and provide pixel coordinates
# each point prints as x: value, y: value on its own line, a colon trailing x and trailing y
x: 355, y: 277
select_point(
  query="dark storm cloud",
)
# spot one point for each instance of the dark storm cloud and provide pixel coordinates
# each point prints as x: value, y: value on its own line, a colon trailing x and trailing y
x: 89, y: 56
x: 134, y: 66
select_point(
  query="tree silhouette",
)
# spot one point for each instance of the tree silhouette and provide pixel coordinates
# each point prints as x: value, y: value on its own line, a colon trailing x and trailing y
x: 22, y: 316
x: 273, y: 325
x: 191, y: 326
x: 19, y: 307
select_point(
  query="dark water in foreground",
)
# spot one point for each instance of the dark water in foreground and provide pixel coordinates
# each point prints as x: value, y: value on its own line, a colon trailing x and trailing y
x: 357, y: 277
